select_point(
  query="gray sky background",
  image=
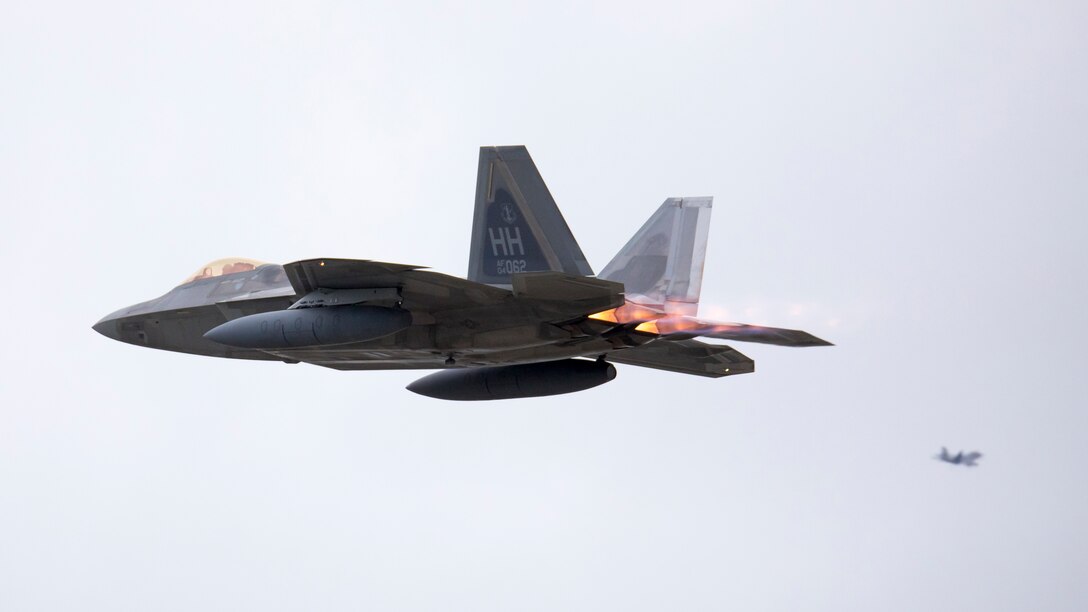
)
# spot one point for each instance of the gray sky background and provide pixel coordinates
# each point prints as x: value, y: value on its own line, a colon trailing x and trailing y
x: 907, y: 180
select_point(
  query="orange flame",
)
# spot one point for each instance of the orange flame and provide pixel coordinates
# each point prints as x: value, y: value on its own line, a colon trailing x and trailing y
x: 628, y: 313
x: 652, y: 320
x: 607, y: 315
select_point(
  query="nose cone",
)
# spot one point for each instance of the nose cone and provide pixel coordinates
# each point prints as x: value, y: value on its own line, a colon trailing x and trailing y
x: 108, y: 327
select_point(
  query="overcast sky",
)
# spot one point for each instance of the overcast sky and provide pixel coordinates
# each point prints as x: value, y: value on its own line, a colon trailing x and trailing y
x: 907, y: 180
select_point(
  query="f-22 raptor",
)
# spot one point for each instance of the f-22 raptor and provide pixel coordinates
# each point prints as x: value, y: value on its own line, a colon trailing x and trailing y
x: 530, y: 320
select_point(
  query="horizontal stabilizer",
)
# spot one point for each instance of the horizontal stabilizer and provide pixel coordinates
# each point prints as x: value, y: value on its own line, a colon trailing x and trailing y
x: 680, y: 328
x: 687, y: 357
x: 756, y: 333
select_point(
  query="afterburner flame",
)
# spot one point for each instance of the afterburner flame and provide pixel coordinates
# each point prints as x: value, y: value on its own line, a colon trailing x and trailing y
x: 629, y: 313
x: 660, y: 322
x: 607, y: 315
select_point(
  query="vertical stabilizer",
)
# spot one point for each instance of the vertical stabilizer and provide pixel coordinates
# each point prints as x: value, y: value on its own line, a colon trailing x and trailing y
x: 516, y: 226
x: 662, y: 264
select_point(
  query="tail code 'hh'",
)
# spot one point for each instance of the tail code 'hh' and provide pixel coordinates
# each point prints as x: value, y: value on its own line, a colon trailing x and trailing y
x: 516, y: 226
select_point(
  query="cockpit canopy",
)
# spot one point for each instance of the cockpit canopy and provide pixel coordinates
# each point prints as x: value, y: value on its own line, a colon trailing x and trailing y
x: 222, y: 267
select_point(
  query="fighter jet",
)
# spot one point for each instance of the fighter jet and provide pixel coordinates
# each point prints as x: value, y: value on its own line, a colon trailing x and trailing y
x: 959, y: 458
x: 530, y: 320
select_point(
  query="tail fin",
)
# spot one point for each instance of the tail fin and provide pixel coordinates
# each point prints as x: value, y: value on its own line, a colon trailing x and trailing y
x: 662, y: 265
x: 516, y: 226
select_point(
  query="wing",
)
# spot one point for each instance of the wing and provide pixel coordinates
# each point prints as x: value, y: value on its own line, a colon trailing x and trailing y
x: 311, y: 274
x: 419, y: 289
x: 566, y: 294
x: 686, y: 357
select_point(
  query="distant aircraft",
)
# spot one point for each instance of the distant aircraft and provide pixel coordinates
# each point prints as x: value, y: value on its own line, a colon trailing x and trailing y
x: 521, y: 325
x: 959, y: 458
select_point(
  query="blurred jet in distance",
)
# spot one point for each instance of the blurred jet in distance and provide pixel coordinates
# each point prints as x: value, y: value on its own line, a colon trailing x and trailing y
x: 959, y: 458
